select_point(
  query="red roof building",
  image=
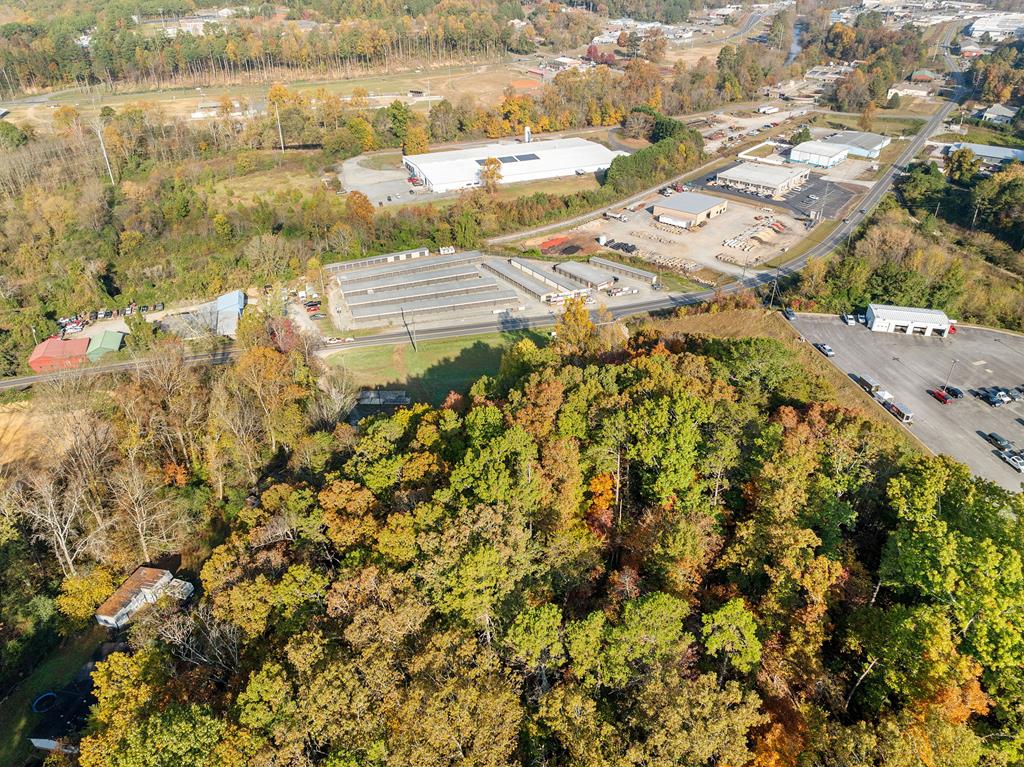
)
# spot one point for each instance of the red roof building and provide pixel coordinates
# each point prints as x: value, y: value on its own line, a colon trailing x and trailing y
x: 55, y: 354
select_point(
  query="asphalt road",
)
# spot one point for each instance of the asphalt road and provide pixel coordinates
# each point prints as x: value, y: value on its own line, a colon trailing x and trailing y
x: 504, y: 322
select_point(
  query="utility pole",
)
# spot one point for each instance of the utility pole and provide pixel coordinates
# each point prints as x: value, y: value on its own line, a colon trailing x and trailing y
x: 103, y: 147
x: 280, y: 134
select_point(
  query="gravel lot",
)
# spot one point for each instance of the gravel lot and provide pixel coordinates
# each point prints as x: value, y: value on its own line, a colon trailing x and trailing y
x: 908, y: 366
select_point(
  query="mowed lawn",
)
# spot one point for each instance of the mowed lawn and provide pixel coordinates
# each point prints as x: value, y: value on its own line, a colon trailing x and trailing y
x: 16, y: 717
x: 435, y: 368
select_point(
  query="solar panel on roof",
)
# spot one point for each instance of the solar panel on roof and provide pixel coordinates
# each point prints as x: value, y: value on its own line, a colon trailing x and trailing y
x: 525, y: 157
x: 508, y: 158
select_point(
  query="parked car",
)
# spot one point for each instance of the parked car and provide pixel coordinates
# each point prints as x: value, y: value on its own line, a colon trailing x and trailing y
x: 1000, y: 442
x: 313, y: 309
x: 849, y: 319
x: 1014, y: 461
x: 308, y: 304
x: 788, y: 313
x: 144, y: 308
x: 825, y: 349
x: 318, y: 316
x: 941, y: 396
x: 158, y: 306
x: 953, y: 392
x: 992, y: 400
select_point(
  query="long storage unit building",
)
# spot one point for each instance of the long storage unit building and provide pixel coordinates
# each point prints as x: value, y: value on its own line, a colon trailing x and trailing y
x: 585, y: 275
x: 632, y: 272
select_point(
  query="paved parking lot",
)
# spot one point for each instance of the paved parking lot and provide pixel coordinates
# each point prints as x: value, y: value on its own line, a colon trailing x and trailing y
x: 908, y: 366
x: 832, y: 198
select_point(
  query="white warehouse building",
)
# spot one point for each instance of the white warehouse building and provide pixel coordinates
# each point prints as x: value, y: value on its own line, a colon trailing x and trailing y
x: 819, y: 153
x: 859, y: 143
x: 460, y: 168
x: 765, y: 180
x: 882, y: 318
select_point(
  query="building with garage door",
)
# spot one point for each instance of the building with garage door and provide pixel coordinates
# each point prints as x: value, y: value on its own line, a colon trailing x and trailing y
x: 764, y: 180
x: 860, y: 143
x: 688, y: 209
x: 819, y: 153
x: 460, y: 168
x: 882, y: 318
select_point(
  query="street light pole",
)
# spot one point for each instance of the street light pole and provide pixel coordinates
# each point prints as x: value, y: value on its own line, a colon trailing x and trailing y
x: 949, y: 375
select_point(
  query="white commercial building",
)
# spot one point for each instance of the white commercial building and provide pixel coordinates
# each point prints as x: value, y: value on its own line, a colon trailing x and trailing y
x: 998, y: 114
x: 998, y: 26
x: 460, y: 168
x: 819, y: 153
x: 688, y: 209
x: 859, y: 143
x: 765, y: 180
x: 906, y: 319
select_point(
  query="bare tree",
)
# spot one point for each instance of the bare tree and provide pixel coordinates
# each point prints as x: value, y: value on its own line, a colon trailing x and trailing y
x: 59, y: 512
x: 141, y: 503
x: 198, y: 637
x: 336, y: 394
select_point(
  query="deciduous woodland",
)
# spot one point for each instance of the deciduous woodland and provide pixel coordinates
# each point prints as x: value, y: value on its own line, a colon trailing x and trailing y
x: 679, y: 550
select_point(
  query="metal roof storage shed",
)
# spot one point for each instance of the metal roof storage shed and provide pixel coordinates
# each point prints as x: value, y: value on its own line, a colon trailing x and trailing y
x: 56, y: 354
x: 860, y: 143
x: 585, y: 274
x: 688, y: 209
x: 106, y: 342
x: 882, y: 318
x: 819, y: 153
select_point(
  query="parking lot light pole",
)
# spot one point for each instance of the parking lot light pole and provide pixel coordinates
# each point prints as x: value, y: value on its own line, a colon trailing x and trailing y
x: 949, y: 375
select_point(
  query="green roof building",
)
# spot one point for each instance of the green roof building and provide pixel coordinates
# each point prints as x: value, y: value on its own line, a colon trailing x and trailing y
x: 107, y: 341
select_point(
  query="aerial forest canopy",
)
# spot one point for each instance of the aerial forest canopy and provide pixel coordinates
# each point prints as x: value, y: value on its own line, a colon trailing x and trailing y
x: 673, y: 551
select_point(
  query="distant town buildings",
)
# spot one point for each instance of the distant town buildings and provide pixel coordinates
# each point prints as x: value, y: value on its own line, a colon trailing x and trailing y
x: 998, y: 26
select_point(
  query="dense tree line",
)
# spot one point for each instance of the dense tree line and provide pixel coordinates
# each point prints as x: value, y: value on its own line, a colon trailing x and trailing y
x: 46, y: 53
x: 900, y: 260
x: 673, y: 550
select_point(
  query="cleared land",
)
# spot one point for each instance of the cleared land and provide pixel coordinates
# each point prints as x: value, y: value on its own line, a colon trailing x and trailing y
x: 887, y: 126
x: 22, y: 436
x: 485, y: 82
x: 429, y: 372
x: 975, y: 134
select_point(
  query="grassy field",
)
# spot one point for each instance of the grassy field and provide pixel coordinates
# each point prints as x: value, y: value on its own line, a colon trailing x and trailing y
x: 53, y: 673
x: 978, y: 135
x: 433, y: 369
x: 266, y: 183
x: 486, y: 82
x: 383, y: 161
x: 887, y: 126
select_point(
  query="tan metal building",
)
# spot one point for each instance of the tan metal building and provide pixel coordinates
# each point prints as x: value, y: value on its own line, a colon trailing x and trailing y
x: 688, y: 209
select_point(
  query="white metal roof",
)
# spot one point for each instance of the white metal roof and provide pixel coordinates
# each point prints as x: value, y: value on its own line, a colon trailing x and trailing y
x: 759, y: 173
x: 908, y: 314
x: 553, y: 157
x: 859, y: 139
x: 820, y: 149
x: 690, y: 202
x: 1000, y: 153
x: 588, y: 275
